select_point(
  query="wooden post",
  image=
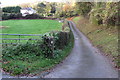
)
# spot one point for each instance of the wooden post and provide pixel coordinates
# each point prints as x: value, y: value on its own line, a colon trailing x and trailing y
x: 19, y: 38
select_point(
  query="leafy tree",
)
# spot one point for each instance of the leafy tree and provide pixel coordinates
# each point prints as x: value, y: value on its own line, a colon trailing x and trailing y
x: 105, y: 13
x: 66, y: 10
x: 41, y: 8
x: 46, y: 8
x: 41, y: 5
x: 83, y: 8
x: 15, y: 9
x: 53, y: 8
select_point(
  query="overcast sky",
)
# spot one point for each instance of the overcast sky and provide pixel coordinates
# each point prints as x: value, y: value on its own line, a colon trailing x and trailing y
x: 16, y: 2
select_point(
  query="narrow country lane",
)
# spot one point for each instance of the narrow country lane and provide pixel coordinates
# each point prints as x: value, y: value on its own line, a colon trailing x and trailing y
x: 85, y: 61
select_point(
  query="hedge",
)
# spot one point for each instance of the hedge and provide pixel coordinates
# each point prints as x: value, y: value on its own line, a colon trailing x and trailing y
x: 7, y: 16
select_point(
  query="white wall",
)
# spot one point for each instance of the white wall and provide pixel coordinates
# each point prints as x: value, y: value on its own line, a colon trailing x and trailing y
x: 27, y: 11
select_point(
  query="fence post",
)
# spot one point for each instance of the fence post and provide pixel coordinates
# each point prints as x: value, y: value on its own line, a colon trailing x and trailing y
x: 19, y: 38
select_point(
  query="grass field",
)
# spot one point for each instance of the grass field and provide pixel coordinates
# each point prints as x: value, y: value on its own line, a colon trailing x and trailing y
x: 29, y: 58
x: 106, y: 39
x: 36, y: 26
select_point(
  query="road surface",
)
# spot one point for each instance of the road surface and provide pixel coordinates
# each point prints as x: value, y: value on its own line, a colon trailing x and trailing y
x: 85, y: 61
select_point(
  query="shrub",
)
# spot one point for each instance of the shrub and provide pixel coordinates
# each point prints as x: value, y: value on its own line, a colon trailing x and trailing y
x: 112, y: 15
x: 112, y: 20
x: 50, y: 14
x: 63, y: 39
x: 15, y: 9
x: 23, y: 59
x: 48, y: 46
x: 96, y: 17
x: 66, y: 14
x: 22, y: 49
x: 6, y: 16
x: 105, y: 13
x: 33, y: 16
x: 83, y: 8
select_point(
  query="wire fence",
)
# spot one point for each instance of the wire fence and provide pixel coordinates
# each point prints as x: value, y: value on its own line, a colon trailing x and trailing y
x: 48, y: 44
x: 18, y: 38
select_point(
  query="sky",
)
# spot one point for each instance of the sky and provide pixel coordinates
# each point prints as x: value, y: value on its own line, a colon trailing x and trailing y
x: 17, y: 2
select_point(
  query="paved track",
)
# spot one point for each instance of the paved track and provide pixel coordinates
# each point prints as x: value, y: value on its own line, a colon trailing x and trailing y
x: 85, y: 61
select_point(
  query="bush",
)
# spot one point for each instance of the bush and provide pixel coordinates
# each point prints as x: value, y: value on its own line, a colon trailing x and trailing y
x: 105, y: 13
x: 6, y: 16
x: 112, y: 20
x: 50, y: 14
x: 15, y: 9
x: 23, y: 59
x: 96, y: 17
x: 22, y: 49
x: 33, y: 16
x: 48, y: 46
x: 83, y: 8
x: 63, y: 39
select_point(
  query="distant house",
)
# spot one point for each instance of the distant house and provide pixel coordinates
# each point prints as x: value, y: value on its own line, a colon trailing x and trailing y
x: 27, y: 11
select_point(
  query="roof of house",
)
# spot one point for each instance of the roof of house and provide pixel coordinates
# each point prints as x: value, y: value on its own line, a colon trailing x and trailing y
x: 28, y: 8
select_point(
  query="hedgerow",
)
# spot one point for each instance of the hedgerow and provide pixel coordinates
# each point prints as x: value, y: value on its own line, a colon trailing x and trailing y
x: 26, y: 58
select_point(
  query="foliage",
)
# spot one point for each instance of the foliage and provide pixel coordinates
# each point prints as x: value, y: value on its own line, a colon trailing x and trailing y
x: 41, y: 8
x: 15, y: 9
x: 6, y: 16
x: 46, y: 9
x: 23, y: 59
x: 83, y: 8
x: 66, y: 14
x: 63, y: 39
x: 53, y: 9
x: 48, y: 46
x: 105, y: 13
x: 33, y: 16
x: 112, y: 15
x: 65, y: 10
x: 27, y: 48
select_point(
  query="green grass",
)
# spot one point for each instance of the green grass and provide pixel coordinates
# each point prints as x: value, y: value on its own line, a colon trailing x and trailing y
x: 25, y: 64
x: 25, y: 59
x: 76, y: 19
x: 36, y: 26
x: 106, y: 39
x: 30, y: 26
x: 19, y: 67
